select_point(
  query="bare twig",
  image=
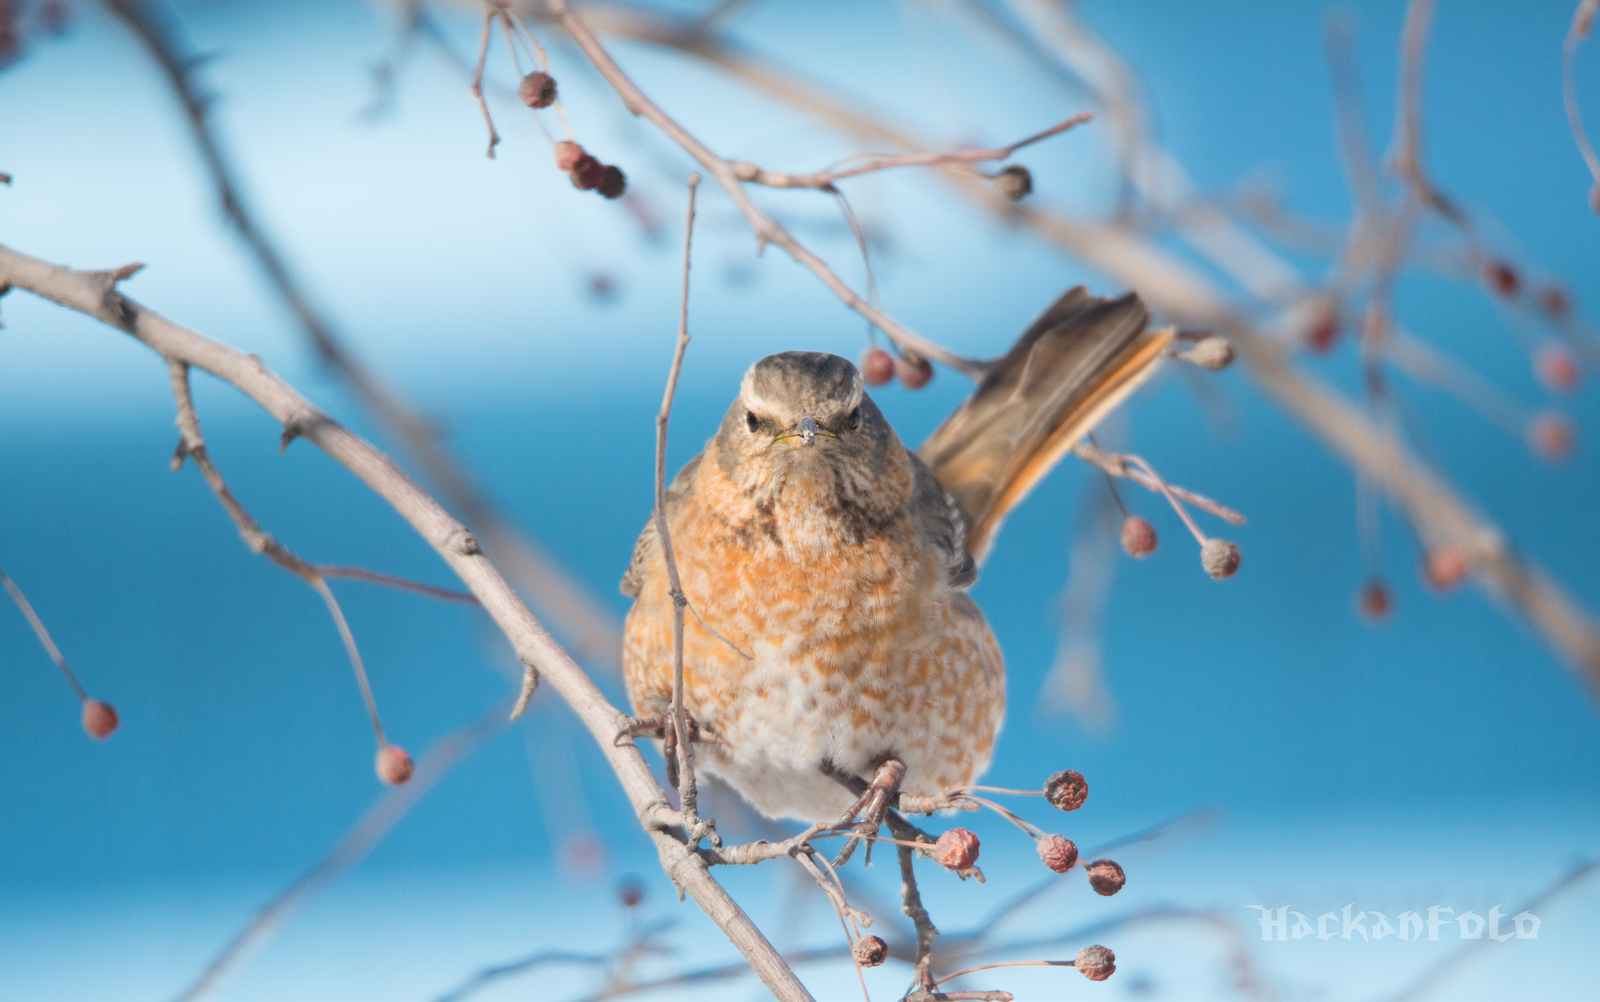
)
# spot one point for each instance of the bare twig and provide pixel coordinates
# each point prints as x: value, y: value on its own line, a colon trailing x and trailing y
x: 1118, y: 465
x: 766, y: 229
x: 823, y: 179
x: 403, y: 584
x: 558, y: 595
x: 533, y: 645
x: 43, y: 634
x: 373, y: 826
x: 693, y: 826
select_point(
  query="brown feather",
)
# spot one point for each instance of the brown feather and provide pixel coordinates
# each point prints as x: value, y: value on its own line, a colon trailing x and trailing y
x: 1070, y: 369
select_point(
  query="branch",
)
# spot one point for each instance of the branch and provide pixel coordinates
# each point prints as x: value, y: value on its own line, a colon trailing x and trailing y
x: 1185, y: 296
x: 1117, y: 465
x: 1582, y: 21
x: 766, y: 229
x: 91, y: 295
x: 591, y: 629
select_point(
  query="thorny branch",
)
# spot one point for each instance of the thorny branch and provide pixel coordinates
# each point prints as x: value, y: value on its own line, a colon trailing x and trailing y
x: 561, y: 597
x: 90, y: 294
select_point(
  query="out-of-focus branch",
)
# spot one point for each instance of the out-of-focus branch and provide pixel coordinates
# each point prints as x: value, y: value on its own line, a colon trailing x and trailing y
x: 92, y: 294
x: 564, y: 600
x: 1119, y: 465
x: 1188, y: 298
x: 1582, y: 22
x: 379, y: 819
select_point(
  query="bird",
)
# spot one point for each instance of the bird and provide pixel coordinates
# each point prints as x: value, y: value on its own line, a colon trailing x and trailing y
x: 826, y: 566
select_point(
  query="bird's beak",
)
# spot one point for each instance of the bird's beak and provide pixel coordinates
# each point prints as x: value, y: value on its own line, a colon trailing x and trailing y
x: 806, y: 431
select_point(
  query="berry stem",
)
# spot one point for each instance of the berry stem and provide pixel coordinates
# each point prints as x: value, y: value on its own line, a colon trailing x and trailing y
x: 43, y: 635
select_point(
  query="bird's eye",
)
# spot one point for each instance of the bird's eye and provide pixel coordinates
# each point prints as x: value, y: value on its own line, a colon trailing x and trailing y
x: 751, y: 421
x: 855, y: 419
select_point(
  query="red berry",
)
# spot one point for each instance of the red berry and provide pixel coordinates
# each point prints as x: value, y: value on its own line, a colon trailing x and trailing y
x: 870, y: 951
x: 588, y: 174
x: 1096, y: 963
x: 913, y: 370
x: 1502, y: 278
x: 1553, y: 301
x: 1444, y: 567
x: 568, y: 155
x: 1106, y: 877
x: 1556, y: 368
x: 99, y: 719
x: 957, y: 849
x: 1013, y: 183
x: 631, y: 892
x: 1058, y: 852
x: 877, y: 367
x: 1375, y: 601
x: 538, y: 90
x: 1551, y: 437
x: 1138, y: 537
x: 394, y: 765
x: 1066, y: 790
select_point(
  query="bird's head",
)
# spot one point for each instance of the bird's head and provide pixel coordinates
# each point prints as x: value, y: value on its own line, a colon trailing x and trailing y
x: 803, y: 413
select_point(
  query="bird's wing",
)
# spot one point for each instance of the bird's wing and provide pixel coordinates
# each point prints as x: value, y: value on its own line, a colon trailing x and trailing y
x: 941, y: 522
x: 648, y: 548
x: 1067, y: 372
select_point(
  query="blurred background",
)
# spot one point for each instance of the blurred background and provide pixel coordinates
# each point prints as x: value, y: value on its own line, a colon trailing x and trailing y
x: 1441, y: 756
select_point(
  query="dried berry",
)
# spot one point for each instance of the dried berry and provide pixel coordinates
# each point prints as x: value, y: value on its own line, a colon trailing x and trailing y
x: 568, y: 155
x: 957, y: 849
x: 1138, y: 537
x: 914, y: 371
x: 1220, y: 558
x: 1106, y: 877
x: 1013, y: 183
x: 1066, y: 790
x: 538, y: 90
x: 1594, y: 198
x: 877, y: 367
x: 612, y: 182
x: 1444, y: 567
x: 1551, y: 436
x: 1502, y: 278
x: 870, y: 951
x: 1553, y: 301
x: 99, y: 719
x: 588, y: 174
x: 1323, y: 327
x: 1374, y: 601
x: 1556, y: 368
x: 1058, y: 852
x: 1212, y: 353
x: 1096, y: 963
x: 394, y: 765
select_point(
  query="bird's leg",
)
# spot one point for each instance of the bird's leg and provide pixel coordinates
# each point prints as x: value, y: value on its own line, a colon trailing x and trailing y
x: 660, y: 726
x: 866, y: 815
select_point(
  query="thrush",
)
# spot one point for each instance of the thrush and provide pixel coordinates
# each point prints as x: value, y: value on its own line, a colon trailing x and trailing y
x: 826, y: 566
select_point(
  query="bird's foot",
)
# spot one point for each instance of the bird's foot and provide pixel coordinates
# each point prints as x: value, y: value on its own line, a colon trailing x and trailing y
x: 867, y: 814
x: 660, y: 726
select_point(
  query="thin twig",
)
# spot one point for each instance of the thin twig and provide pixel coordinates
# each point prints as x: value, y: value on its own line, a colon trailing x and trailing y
x: 1582, y: 21
x: 43, y: 634
x: 1116, y: 464
x: 402, y: 584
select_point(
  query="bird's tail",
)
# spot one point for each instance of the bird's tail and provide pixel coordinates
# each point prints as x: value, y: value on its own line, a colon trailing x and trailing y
x: 1077, y: 362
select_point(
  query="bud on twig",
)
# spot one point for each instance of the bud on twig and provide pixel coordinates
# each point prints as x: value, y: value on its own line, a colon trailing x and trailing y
x: 99, y: 719
x: 1220, y: 558
x: 1014, y: 183
x: 538, y: 90
x: 1058, y: 852
x: 1096, y: 963
x: 957, y: 849
x: 1138, y: 537
x: 870, y: 951
x: 877, y: 367
x: 1066, y: 790
x: 394, y: 765
x: 1106, y: 877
